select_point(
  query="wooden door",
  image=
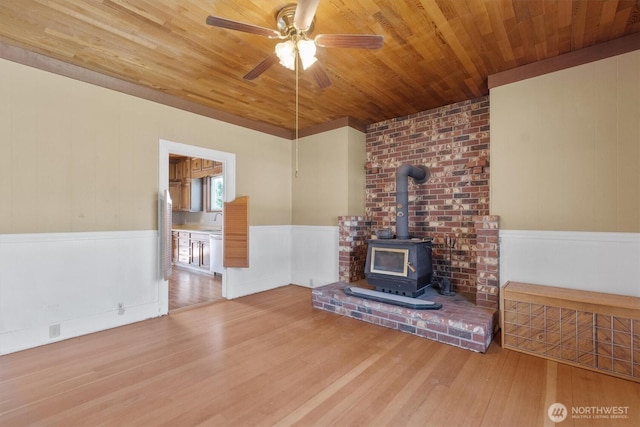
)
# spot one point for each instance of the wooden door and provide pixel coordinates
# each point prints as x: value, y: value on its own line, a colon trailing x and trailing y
x: 195, y: 253
x: 205, y: 255
x: 175, y: 192
x: 185, y: 196
x: 236, y: 233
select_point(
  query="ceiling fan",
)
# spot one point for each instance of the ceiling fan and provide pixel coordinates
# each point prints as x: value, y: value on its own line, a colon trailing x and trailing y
x: 295, y: 25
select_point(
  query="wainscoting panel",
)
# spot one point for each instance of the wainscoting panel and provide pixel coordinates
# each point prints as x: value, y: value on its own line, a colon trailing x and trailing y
x: 55, y: 286
x: 74, y: 282
x: 284, y: 254
x: 599, y: 262
x: 314, y: 257
x: 269, y: 263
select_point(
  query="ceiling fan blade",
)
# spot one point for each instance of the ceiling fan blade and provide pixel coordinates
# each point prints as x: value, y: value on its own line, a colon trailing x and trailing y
x: 261, y: 67
x: 216, y: 21
x: 320, y: 75
x: 305, y: 12
x: 361, y: 41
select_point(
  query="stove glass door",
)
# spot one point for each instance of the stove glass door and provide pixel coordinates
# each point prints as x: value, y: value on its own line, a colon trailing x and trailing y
x: 389, y: 261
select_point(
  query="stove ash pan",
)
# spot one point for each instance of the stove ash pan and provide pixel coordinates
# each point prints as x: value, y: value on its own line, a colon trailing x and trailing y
x: 397, y: 266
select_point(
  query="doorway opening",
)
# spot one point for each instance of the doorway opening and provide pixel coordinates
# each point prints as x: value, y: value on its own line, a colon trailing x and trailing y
x: 189, y: 288
x: 197, y: 277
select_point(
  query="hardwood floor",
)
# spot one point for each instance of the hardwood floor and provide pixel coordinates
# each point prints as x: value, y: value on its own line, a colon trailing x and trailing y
x: 271, y: 359
x: 188, y: 288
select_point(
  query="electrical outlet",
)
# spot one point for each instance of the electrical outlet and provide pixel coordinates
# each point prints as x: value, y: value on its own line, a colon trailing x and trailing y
x: 120, y: 308
x: 54, y: 331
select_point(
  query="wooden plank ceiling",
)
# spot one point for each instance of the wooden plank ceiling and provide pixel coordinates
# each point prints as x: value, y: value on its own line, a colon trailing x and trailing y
x: 435, y: 52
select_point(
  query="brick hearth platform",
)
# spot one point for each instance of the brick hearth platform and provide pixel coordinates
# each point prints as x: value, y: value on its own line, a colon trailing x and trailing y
x: 459, y: 322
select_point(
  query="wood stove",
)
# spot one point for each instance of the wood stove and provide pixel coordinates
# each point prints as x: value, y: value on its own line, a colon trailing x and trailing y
x: 399, y: 266
x: 402, y: 265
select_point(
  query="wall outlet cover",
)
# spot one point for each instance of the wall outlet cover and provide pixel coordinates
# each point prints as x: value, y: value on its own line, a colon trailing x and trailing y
x: 54, y: 331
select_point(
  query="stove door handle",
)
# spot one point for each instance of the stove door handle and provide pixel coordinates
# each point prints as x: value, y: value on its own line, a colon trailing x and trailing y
x: 411, y: 267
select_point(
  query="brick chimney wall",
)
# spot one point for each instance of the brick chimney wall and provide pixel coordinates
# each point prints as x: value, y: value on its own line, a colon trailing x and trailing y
x: 453, y: 141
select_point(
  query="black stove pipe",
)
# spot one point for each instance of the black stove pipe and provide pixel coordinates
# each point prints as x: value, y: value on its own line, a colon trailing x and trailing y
x: 420, y: 175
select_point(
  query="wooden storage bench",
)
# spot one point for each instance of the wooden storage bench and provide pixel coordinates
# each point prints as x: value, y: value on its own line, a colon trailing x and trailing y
x: 592, y: 330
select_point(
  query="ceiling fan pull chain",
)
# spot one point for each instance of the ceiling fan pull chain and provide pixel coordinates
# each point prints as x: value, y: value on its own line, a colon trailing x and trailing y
x: 296, y: 116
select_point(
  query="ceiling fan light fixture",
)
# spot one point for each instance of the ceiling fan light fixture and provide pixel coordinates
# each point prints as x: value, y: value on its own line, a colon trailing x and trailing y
x: 286, y: 52
x: 295, y: 24
x: 307, y: 51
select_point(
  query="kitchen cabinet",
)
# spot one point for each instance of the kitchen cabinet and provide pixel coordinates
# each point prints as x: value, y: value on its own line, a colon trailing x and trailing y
x: 192, y: 195
x: 207, y: 165
x: 195, y: 204
x: 200, y: 251
x: 186, y: 169
x: 175, y: 192
x: 194, y: 250
x: 216, y: 253
x: 179, y: 171
x: 187, y: 195
x: 196, y: 165
x: 205, y: 255
x: 202, y: 168
x: 174, y: 246
x: 184, y: 248
x: 195, y: 253
x: 172, y: 171
x: 187, y: 182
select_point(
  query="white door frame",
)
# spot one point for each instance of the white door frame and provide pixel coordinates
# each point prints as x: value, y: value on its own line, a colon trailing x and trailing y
x: 228, y: 175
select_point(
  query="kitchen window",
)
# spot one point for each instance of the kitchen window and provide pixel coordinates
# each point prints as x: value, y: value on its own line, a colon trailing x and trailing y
x: 216, y: 193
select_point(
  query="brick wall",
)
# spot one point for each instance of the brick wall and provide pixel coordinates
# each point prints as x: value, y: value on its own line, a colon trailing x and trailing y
x: 352, y: 247
x: 488, y: 256
x: 453, y: 141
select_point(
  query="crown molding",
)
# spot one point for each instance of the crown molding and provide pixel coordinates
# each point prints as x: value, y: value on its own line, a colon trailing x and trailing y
x: 45, y: 63
x: 567, y: 60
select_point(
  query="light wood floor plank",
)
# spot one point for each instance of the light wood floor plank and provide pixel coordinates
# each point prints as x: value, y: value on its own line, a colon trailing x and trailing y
x: 271, y: 359
x: 188, y: 288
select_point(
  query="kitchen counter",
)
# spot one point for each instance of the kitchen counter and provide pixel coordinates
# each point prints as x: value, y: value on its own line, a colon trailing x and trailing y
x: 197, y: 228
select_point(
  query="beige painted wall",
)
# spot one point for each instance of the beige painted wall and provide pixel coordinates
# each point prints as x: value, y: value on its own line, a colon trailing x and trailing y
x: 357, y: 152
x: 77, y: 157
x: 565, y: 149
x: 330, y: 178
